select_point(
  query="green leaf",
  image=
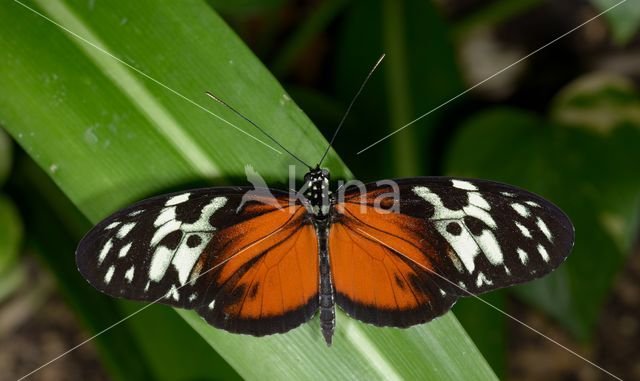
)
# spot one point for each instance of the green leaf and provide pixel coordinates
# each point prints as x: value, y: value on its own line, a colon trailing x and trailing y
x: 11, y: 233
x: 487, y: 328
x: 188, y: 140
x: 600, y: 102
x: 107, y: 136
x: 624, y: 18
x: 592, y: 176
x: 359, y: 352
x: 133, y: 349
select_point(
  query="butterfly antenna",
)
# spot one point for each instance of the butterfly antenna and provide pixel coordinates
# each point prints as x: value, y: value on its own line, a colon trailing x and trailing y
x: 256, y: 126
x: 344, y: 117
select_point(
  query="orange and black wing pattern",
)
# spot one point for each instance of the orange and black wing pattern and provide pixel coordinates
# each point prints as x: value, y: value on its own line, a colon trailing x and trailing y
x: 247, y: 263
x: 266, y: 274
x: 402, y: 254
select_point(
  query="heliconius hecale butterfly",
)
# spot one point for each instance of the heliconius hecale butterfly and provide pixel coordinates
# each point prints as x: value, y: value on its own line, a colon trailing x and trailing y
x: 392, y: 254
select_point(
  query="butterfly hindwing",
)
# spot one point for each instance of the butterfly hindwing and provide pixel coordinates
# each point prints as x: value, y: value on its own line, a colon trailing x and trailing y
x: 448, y: 238
x: 270, y: 282
x: 221, y: 251
x: 376, y: 284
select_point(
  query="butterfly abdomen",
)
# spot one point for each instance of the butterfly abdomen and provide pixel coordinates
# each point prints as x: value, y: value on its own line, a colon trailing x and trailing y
x: 326, y: 295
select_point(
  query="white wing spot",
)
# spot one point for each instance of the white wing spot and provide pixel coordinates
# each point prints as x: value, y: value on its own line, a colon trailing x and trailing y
x: 543, y: 227
x: 464, y: 245
x: 525, y: 232
x: 179, y: 199
x: 462, y: 285
x: 476, y: 199
x: 460, y: 184
x: 135, y: 213
x: 440, y: 211
x: 185, y: 257
x: 543, y: 253
x: 523, y: 256
x: 166, y: 215
x: 125, y: 249
x: 109, y: 274
x: 521, y: 209
x: 507, y: 271
x: 193, y: 296
x: 482, y: 279
x: 534, y: 204
x: 212, y: 304
x: 105, y: 250
x: 474, y: 211
x: 203, y: 223
x: 508, y: 194
x: 125, y: 229
x: 112, y: 225
x: 173, y: 293
x: 490, y: 247
x: 159, y: 263
x: 442, y: 292
x: 129, y: 274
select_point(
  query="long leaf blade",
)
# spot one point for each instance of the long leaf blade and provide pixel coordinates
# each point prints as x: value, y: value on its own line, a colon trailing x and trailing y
x: 104, y: 146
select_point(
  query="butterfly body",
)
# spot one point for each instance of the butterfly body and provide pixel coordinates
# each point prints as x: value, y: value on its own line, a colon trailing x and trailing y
x: 392, y: 253
x: 320, y: 206
x: 326, y: 295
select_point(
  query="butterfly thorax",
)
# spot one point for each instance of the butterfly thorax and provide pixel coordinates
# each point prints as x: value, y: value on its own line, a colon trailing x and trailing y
x: 316, y: 192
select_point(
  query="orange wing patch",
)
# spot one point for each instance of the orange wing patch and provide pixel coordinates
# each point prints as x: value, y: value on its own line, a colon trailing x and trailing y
x: 382, y: 267
x: 267, y: 273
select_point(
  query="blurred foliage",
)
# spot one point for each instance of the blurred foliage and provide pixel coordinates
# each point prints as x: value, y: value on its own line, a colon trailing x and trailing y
x: 5, y: 156
x: 107, y: 136
x: 10, y: 234
x: 11, y: 229
x: 491, y: 15
x: 318, y: 21
x: 418, y: 74
x: 624, y: 19
x: 245, y: 8
x: 588, y: 167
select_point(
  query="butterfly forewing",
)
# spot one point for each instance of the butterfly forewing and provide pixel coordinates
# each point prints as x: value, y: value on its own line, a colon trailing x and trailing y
x: 448, y: 238
x: 225, y: 252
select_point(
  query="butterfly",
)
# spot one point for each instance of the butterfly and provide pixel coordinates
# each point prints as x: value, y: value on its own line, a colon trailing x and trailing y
x: 259, y: 265
x: 261, y: 261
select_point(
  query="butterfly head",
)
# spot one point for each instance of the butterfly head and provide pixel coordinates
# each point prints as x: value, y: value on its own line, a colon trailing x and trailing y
x: 316, y: 191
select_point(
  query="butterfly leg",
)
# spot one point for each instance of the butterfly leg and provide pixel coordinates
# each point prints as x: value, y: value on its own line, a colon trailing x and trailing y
x: 326, y: 295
